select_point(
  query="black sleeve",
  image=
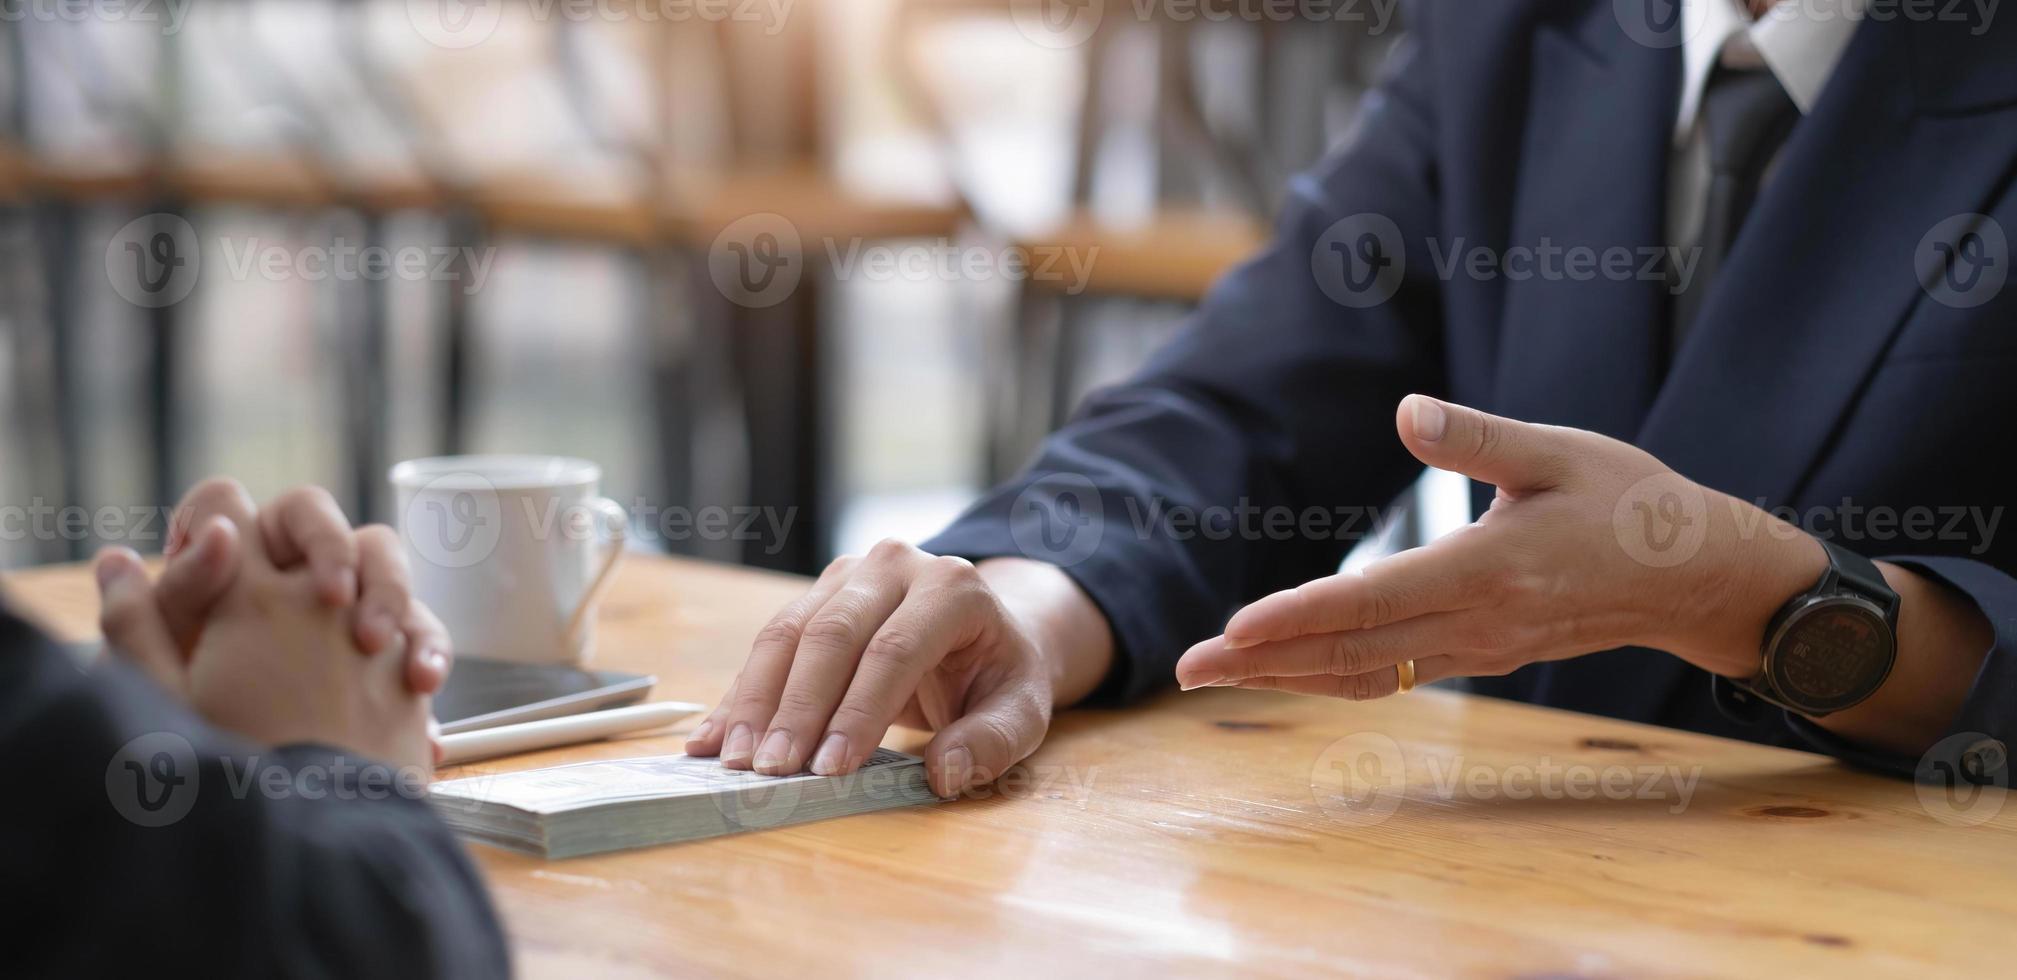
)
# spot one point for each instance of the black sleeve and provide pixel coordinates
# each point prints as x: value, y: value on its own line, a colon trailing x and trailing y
x: 1250, y: 454
x: 138, y: 839
x: 1976, y: 746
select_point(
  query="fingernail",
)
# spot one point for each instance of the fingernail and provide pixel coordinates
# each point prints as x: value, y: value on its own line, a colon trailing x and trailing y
x: 955, y: 766
x: 1225, y: 682
x: 1212, y: 679
x: 1244, y: 642
x: 115, y: 564
x: 832, y: 754
x: 776, y: 751
x: 700, y: 734
x: 435, y: 660
x: 1430, y: 419
x: 740, y: 741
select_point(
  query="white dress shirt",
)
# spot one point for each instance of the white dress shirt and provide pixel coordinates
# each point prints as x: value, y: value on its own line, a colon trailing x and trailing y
x: 1799, y: 41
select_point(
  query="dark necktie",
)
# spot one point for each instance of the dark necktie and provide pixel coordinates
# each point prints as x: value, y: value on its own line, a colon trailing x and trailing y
x: 1746, y: 116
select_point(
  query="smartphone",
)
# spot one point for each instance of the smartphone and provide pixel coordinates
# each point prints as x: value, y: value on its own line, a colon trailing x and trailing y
x: 486, y: 693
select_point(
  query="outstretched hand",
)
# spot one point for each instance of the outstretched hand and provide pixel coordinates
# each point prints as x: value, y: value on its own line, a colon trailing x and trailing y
x: 1590, y: 544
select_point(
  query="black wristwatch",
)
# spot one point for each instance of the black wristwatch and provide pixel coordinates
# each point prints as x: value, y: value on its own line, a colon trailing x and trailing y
x: 1832, y: 646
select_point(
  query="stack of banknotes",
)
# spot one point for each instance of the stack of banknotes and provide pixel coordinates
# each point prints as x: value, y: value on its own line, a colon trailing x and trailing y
x: 592, y: 807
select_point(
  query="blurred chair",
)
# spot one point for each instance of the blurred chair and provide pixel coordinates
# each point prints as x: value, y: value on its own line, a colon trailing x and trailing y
x: 304, y: 175
x: 1213, y: 188
x: 779, y: 160
x: 761, y: 364
x: 57, y: 193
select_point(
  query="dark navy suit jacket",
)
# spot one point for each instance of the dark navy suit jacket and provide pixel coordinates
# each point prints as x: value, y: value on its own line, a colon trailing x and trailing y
x: 1823, y: 367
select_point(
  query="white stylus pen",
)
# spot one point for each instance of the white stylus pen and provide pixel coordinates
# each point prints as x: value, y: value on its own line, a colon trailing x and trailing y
x: 550, y: 732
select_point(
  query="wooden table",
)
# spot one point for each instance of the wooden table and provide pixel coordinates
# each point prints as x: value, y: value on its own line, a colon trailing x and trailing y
x: 1216, y: 832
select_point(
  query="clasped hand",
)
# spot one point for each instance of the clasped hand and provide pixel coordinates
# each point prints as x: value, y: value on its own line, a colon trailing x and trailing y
x: 283, y: 625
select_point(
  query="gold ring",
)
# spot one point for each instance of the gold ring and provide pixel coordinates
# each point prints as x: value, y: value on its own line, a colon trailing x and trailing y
x: 1405, y: 671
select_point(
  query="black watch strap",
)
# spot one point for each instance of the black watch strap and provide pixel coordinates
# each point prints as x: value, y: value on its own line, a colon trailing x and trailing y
x: 1855, y: 573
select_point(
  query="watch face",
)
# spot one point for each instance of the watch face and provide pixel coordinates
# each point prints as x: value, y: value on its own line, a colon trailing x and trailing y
x: 1832, y: 654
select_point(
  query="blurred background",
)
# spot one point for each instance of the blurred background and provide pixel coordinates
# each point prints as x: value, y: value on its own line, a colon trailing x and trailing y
x: 848, y: 259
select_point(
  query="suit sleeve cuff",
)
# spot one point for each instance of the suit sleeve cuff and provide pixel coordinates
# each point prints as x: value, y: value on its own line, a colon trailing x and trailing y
x: 1975, y: 748
x: 1123, y: 576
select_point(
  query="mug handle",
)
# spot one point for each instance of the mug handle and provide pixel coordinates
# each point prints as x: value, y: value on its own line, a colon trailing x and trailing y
x: 616, y: 521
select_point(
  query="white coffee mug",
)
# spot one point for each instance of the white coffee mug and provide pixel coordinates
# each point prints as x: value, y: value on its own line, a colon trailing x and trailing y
x: 510, y: 551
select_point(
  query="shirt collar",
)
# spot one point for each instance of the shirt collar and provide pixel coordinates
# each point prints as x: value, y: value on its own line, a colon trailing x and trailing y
x: 1801, y: 41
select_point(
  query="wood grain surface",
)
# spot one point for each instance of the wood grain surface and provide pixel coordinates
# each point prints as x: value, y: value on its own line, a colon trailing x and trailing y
x: 1226, y: 831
